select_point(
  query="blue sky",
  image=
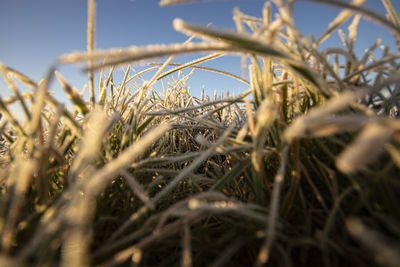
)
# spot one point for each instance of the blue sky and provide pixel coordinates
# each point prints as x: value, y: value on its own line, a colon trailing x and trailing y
x: 35, y: 33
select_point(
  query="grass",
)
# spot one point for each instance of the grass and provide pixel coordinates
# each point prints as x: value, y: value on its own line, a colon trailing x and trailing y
x: 301, y: 169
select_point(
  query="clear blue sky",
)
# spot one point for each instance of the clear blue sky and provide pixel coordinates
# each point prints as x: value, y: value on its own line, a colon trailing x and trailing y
x: 34, y: 33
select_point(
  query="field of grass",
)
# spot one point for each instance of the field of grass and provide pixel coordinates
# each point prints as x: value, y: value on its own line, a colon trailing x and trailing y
x: 300, y: 170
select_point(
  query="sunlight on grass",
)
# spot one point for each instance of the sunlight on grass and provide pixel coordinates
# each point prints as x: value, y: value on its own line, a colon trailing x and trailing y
x: 299, y: 170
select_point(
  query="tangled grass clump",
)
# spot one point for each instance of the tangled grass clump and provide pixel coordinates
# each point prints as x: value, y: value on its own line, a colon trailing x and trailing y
x: 300, y: 170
